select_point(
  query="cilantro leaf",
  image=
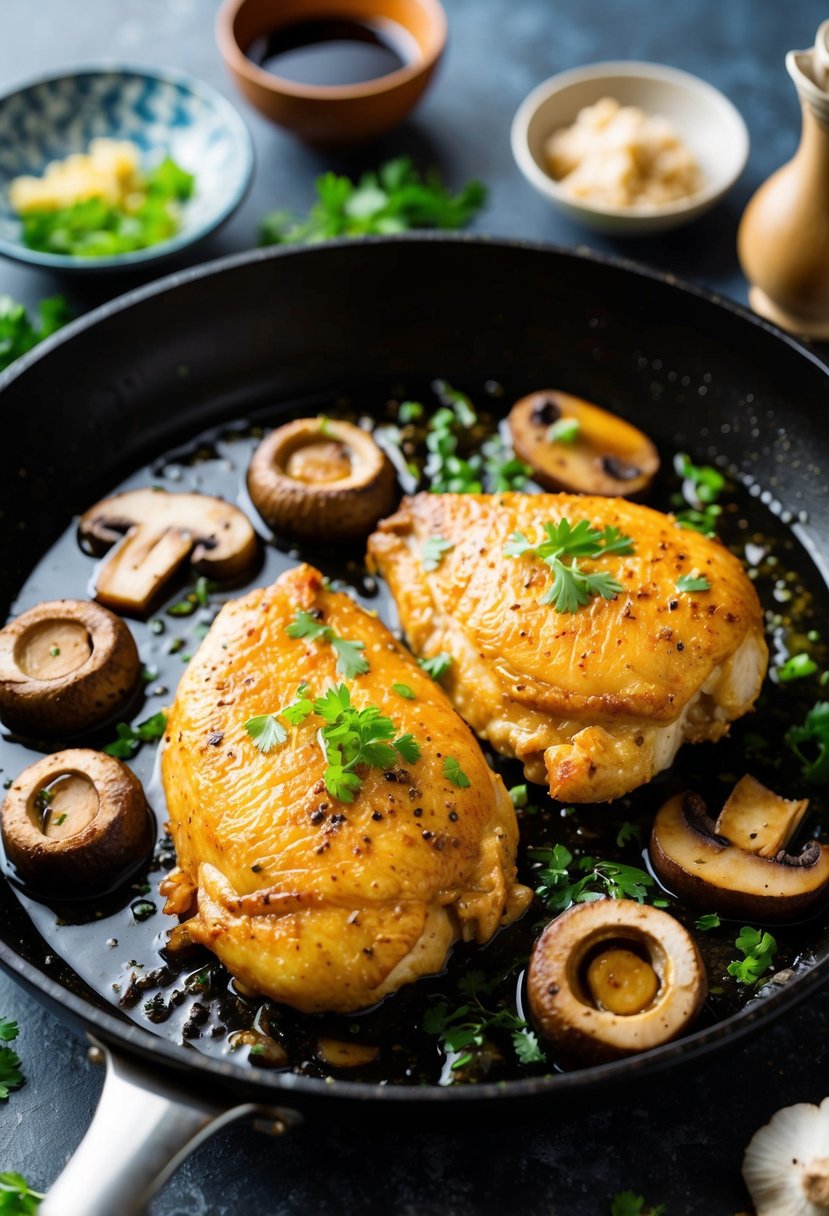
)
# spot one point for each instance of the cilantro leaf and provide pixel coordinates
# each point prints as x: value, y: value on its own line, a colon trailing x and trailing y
x: 814, y: 733
x: 627, y: 832
x: 758, y: 948
x: 304, y: 625
x: 527, y: 1048
x: 8, y: 1030
x: 404, y: 691
x: 437, y: 666
x: 434, y: 547
x: 408, y: 748
x: 454, y: 773
x: 558, y: 887
x: 710, y: 920
x: 572, y: 587
x: 394, y: 198
x: 691, y: 582
x: 266, y: 731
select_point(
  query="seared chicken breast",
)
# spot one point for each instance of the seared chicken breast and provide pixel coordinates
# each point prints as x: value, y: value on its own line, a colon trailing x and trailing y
x: 594, y: 701
x: 320, y: 902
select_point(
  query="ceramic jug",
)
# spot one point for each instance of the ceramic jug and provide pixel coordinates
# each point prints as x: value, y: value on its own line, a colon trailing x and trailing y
x: 783, y: 240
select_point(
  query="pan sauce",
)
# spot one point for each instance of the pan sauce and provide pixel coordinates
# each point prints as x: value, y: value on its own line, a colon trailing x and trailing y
x: 119, y: 946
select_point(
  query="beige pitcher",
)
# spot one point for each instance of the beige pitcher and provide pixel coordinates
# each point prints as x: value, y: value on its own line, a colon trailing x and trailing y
x: 783, y: 240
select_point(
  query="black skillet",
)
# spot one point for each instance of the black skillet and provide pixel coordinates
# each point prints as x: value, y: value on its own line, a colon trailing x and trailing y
x: 156, y: 367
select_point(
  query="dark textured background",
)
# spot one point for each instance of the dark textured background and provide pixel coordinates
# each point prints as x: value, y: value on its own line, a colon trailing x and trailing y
x: 680, y: 1141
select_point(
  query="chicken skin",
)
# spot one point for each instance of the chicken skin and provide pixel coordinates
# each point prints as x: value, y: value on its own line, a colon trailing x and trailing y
x: 594, y: 701
x: 321, y: 903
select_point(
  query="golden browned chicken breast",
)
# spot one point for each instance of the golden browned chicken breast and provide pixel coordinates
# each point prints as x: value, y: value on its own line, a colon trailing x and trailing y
x: 335, y: 821
x: 590, y: 655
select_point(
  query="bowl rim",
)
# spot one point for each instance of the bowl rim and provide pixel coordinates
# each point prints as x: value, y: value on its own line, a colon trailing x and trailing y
x: 237, y: 61
x: 181, y: 240
x: 637, y: 70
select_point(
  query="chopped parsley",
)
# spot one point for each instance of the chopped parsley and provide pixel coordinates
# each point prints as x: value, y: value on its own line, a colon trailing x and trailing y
x: 627, y: 832
x: 129, y: 738
x: 351, y: 738
x: 701, y: 487
x: 814, y: 733
x: 437, y: 666
x: 434, y: 547
x: 409, y: 411
x: 454, y: 773
x: 518, y: 796
x: 10, y: 1075
x: 350, y: 660
x: 572, y: 588
x: 758, y: 948
x: 693, y: 582
x: 564, y: 430
x: 562, y: 883
x: 18, y: 333
x: 403, y: 691
x: 710, y: 920
x: 393, y: 198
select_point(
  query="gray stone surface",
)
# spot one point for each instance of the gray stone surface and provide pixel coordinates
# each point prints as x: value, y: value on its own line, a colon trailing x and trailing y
x: 680, y: 1140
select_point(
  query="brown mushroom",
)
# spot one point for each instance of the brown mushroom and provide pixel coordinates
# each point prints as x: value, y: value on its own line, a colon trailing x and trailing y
x: 75, y: 823
x: 612, y: 978
x: 572, y: 445
x: 65, y: 666
x: 157, y: 532
x: 321, y: 480
x: 740, y: 865
x: 338, y: 1054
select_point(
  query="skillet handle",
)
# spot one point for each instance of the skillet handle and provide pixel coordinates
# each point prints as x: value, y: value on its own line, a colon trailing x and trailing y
x: 145, y: 1124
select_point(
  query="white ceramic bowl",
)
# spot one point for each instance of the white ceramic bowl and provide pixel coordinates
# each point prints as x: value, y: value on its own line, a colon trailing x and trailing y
x: 706, y: 120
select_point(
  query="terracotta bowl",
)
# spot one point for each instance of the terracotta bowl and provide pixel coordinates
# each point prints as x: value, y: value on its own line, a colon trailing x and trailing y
x: 331, y: 114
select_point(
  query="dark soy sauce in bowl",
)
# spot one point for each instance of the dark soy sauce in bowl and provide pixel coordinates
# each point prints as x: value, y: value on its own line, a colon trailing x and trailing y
x: 332, y: 52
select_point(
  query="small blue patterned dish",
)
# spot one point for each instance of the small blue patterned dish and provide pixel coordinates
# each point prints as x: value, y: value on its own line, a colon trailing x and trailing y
x: 160, y: 111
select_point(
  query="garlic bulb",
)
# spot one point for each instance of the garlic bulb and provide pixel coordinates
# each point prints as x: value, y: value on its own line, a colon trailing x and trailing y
x: 786, y: 1165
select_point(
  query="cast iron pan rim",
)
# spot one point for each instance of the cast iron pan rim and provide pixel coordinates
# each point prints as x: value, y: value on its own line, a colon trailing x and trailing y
x: 234, y: 261
x: 136, y: 1040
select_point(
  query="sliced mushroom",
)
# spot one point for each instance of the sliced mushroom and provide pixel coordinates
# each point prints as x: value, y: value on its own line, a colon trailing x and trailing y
x: 65, y: 666
x: 612, y: 978
x: 155, y: 533
x: 320, y: 480
x: 740, y: 865
x: 338, y: 1054
x: 575, y: 446
x: 75, y: 823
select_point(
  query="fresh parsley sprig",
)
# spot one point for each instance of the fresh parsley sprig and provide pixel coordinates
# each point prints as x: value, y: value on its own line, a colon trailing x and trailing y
x: 561, y: 883
x: 814, y: 733
x: 10, y: 1075
x: 129, y: 738
x: 394, y: 198
x: 758, y: 948
x: 463, y: 1031
x: 350, y: 660
x: 572, y: 588
x: 351, y: 738
x: 16, y: 1196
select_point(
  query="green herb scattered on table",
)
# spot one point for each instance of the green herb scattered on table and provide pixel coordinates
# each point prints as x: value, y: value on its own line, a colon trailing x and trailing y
x: 758, y: 949
x: 350, y: 660
x: 18, y: 333
x: 10, y: 1075
x: 572, y: 588
x: 394, y: 198
x: 94, y: 228
x: 16, y: 1196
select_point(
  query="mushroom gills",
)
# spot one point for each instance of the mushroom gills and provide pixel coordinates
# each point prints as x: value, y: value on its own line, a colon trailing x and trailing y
x: 154, y: 534
x: 740, y: 865
x: 573, y: 445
